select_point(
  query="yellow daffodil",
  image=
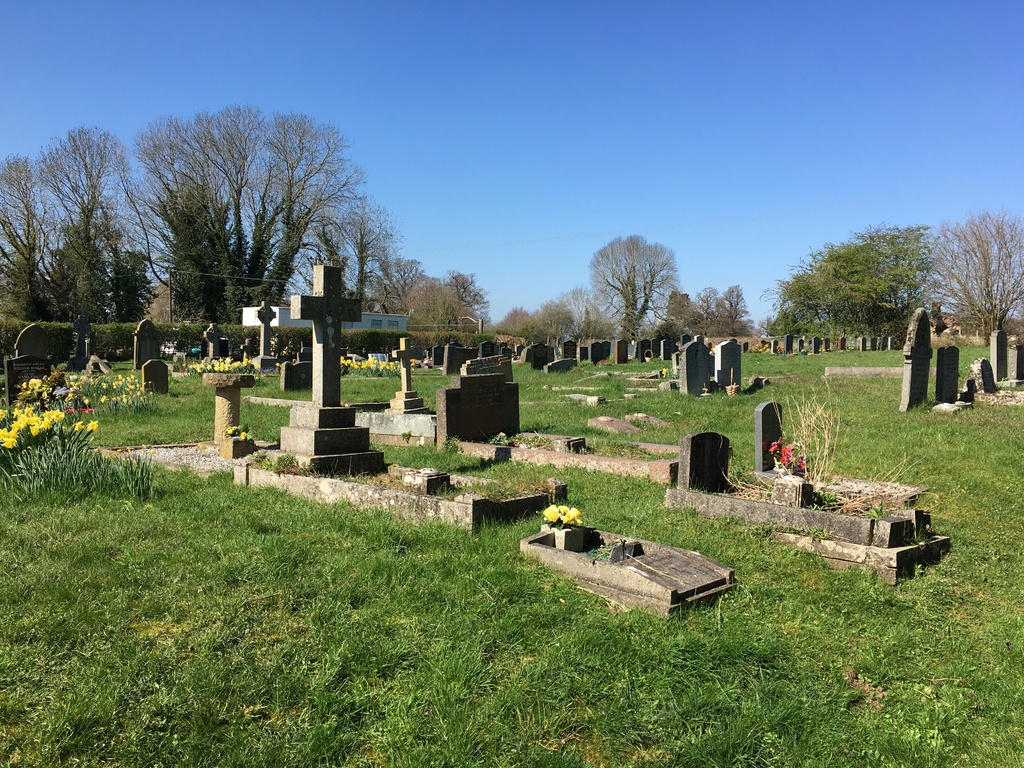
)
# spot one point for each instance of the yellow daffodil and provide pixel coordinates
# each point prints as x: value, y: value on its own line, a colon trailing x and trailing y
x: 79, y: 426
x: 93, y: 426
x: 572, y: 517
x: 551, y: 514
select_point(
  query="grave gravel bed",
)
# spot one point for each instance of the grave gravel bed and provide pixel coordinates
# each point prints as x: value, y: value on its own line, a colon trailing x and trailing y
x: 188, y: 456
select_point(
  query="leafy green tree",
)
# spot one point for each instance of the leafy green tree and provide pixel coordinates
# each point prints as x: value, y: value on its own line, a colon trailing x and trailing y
x: 870, y: 284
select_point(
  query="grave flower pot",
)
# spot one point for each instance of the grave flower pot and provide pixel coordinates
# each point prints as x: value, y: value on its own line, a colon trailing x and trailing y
x: 569, y: 538
x: 236, y: 448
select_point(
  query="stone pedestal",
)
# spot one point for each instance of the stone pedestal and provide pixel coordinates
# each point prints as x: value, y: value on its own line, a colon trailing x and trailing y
x: 407, y: 402
x: 234, y: 448
x: 571, y: 539
x: 327, y: 440
x: 228, y: 401
x: 792, y: 491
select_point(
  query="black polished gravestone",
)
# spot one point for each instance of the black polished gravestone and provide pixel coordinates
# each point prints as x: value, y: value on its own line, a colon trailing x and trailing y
x: 947, y: 374
x: 704, y: 462
x: 767, y: 430
x: 20, y: 370
x: 478, y: 408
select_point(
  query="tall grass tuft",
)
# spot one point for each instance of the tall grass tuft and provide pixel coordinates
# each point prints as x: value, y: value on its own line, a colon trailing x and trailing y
x: 49, y: 453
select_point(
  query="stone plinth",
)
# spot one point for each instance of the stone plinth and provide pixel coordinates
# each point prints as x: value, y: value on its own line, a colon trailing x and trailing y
x: 228, y: 401
x: 407, y: 402
x: 328, y: 440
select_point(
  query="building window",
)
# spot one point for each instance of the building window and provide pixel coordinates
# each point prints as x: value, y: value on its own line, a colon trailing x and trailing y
x: 392, y: 325
x: 375, y: 324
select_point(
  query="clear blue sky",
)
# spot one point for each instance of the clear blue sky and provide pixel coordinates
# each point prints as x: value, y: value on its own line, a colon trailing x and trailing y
x: 514, y: 139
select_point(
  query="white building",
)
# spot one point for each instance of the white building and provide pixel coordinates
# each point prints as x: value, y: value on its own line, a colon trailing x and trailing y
x: 370, y: 321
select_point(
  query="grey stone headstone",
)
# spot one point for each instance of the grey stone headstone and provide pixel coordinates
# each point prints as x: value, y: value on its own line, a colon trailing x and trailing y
x: 454, y: 356
x: 494, y: 364
x: 704, y: 462
x: 767, y: 430
x: 80, y: 331
x: 728, y: 363
x: 154, y: 376
x: 997, y: 354
x: 1015, y: 362
x: 917, y: 355
x: 147, y: 346
x: 947, y: 374
x: 694, y: 368
x: 211, y: 341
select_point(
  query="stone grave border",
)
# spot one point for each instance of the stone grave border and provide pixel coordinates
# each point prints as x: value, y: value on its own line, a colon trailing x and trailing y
x: 467, y: 510
x: 856, y: 541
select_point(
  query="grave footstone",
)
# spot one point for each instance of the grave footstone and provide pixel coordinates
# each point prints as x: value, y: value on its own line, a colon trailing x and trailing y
x: 704, y: 462
x: 767, y: 430
x: 146, y: 346
x: 997, y: 354
x: 917, y: 355
x: 694, y: 368
x: 154, y: 376
x: 478, y: 408
x: 947, y: 374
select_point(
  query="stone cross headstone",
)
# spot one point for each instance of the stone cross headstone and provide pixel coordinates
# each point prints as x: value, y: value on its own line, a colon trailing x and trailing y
x: 694, y: 368
x: 32, y: 342
x: 406, y: 400
x: 947, y: 374
x: 80, y: 330
x: 322, y: 434
x: 997, y: 353
x: 917, y: 356
x: 211, y: 340
x: 266, y: 314
x: 147, y: 346
x: 728, y: 360
x: 767, y: 430
x: 154, y: 376
x: 327, y: 308
x: 704, y: 462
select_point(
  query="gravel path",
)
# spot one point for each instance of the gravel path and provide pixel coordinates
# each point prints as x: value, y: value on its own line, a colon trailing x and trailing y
x: 201, y: 461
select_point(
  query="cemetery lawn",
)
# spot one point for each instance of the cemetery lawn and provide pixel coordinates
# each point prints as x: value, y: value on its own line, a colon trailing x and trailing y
x: 220, y: 625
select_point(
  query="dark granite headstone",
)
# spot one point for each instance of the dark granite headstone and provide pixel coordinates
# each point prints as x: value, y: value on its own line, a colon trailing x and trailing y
x: 478, y: 408
x: 560, y: 366
x: 569, y: 350
x: 296, y: 376
x: 455, y: 356
x: 154, y: 376
x: 644, y: 350
x: 305, y: 355
x: 694, y: 368
x: 842, y: 344
x: 487, y: 349
x: 787, y: 344
x: 862, y: 344
x: 32, y: 342
x: 684, y: 339
x: 917, y: 355
x: 947, y: 374
x: 767, y: 430
x: 815, y: 345
x: 147, y: 346
x: 620, y: 352
x: 19, y: 370
x: 667, y: 348
x: 535, y: 356
x: 728, y: 362
x: 583, y: 352
x: 600, y: 350
x: 437, y: 356
x: 704, y: 462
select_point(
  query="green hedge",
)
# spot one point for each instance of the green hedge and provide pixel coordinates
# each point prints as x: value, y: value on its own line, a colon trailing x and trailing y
x: 115, y: 341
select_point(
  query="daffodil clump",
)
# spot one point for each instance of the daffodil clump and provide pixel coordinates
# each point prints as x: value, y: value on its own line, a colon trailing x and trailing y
x: 559, y: 516
x: 223, y: 365
x: 117, y: 394
x: 239, y: 433
x: 54, y: 391
x: 369, y: 368
x: 49, y: 451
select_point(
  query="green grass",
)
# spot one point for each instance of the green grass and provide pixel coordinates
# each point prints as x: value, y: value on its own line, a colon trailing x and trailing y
x: 217, y: 625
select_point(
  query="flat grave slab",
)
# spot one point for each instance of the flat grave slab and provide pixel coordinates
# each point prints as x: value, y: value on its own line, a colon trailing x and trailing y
x: 634, y: 573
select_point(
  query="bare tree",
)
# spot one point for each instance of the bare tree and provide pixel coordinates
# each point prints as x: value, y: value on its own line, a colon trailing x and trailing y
x: 393, y: 283
x: 26, y: 226
x: 440, y: 303
x: 704, y: 309
x: 731, y: 314
x: 590, y: 321
x: 633, y: 279
x: 978, y: 268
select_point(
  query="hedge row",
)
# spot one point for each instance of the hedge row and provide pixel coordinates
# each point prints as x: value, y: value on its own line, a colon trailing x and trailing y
x: 115, y: 341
